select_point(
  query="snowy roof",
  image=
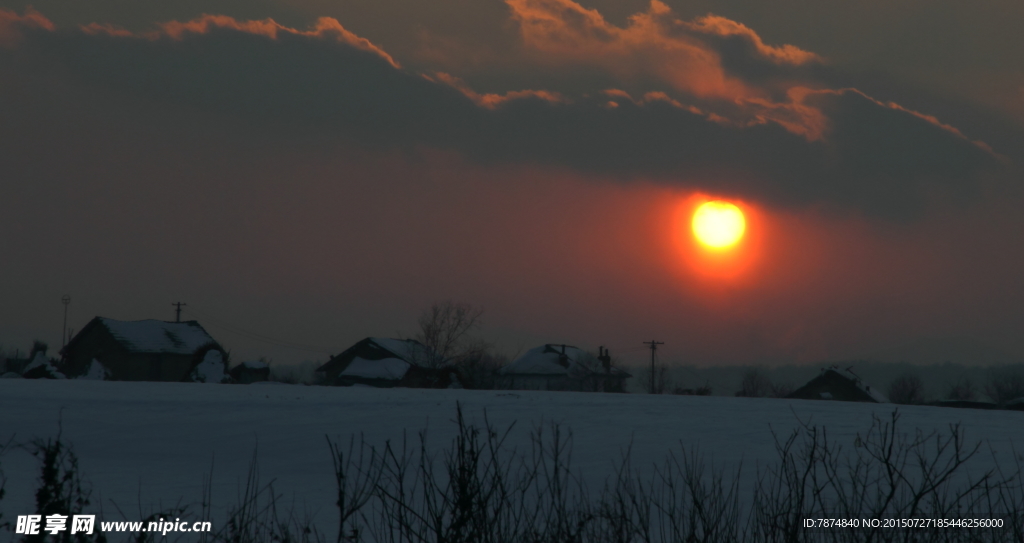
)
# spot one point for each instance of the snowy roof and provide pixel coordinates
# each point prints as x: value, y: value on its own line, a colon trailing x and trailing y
x: 385, y: 368
x: 409, y: 350
x: 547, y: 360
x: 867, y: 389
x: 153, y: 336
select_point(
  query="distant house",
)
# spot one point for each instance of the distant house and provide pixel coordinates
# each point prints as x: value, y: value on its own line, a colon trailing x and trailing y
x: 838, y: 384
x: 563, y: 367
x: 252, y: 371
x: 146, y: 350
x: 387, y: 362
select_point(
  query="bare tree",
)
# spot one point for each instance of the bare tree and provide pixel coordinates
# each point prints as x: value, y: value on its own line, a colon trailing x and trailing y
x: 962, y: 390
x: 907, y: 389
x: 478, y: 367
x: 755, y: 384
x: 782, y: 390
x: 1005, y: 386
x: 445, y: 329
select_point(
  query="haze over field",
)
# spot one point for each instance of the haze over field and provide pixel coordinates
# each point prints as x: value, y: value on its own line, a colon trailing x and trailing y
x: 304, y: 174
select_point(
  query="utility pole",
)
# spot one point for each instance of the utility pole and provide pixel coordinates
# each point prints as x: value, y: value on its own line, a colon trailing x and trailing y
x: 177, y: 311
x: 66, y: 300
x: 654, y: 347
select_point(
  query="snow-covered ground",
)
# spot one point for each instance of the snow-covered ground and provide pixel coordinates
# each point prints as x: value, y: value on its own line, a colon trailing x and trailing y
x: 154, y: 442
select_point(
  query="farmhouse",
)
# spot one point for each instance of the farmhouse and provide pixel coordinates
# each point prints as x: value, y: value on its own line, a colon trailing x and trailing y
x: 838, y: 384
x: 563, y: 367
x: 387, y: 362
x: 146, y: 350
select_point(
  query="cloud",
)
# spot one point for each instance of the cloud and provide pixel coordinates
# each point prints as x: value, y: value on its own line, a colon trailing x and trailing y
x: 710, y: 59
x: 839, y: 147
x: 12, y: 25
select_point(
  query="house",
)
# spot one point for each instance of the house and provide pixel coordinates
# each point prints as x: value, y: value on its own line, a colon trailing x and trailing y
x: 145, y: 350
x: 838, y: 384
x: 387, y: 362
x: 253, y: 371
x: 563, y: 367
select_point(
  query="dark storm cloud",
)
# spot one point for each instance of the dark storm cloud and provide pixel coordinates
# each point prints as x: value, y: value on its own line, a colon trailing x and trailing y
x: 329, y: 83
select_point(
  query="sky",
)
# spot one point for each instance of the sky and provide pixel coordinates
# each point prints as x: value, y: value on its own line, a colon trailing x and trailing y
x: 304, y: 173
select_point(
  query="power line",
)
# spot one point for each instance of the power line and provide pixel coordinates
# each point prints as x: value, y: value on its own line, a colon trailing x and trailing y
x: 259, y: 337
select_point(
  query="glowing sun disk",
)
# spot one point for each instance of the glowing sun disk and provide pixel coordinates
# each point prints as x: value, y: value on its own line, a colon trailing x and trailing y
x: 718, y: 224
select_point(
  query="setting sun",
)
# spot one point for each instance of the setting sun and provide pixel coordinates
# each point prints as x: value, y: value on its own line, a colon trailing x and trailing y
x: 718, y: 224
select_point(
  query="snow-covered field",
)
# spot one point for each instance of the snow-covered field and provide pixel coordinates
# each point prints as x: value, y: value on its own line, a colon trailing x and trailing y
x: 147, y: 445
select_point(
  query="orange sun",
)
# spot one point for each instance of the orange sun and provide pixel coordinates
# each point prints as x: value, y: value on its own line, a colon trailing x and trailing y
x: 718, y: 225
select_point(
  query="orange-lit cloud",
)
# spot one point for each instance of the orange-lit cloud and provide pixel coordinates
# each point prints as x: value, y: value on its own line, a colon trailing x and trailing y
x: 12, y: 25
x: 721, y: 26
x: 791, y: 145
x: 491, y: 100
x: 566, y: 33
x: 325, y: 27
x: 657, y: 44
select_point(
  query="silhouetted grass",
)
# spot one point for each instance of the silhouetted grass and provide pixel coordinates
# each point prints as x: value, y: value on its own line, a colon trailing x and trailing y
x: 482, y: 488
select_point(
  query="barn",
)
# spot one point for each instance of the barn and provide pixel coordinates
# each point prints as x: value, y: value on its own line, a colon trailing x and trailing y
x: 387, y: 362
x: 563, y: 367
x: 834, y: 383
x: 144, y: 350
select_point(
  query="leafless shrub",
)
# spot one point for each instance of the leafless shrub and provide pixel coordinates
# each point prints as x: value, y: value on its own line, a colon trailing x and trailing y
x: 907, y: 389
x: 3, y: 483
x: 782, y: 390
x: 356, y: 474
x: 257, y: 518
x: 445, y: 329
x: 478, y: 369
x: 1005, y: 386
x: 482, y: 489
x: 755, y: 384
x: 962, y: 390
x: 660, y: 383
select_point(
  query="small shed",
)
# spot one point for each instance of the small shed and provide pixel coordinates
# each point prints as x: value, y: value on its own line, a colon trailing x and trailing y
x: 834, y: 383
x: 387, y: 362
x: 252, y: 371
x: 563, y: 367
x: 144, y: 350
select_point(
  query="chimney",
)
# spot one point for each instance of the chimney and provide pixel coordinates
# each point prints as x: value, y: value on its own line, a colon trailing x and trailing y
x: 605, y: 357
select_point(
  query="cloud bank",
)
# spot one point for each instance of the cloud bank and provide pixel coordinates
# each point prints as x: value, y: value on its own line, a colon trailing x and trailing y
x: 726, y: 113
